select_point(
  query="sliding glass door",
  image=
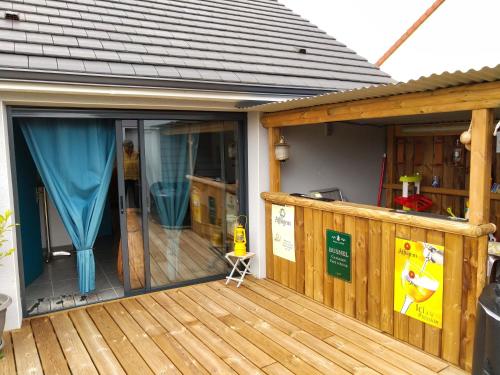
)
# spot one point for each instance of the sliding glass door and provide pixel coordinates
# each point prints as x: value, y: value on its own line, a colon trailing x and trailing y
x: 191, y: 172
x: 179, y: 185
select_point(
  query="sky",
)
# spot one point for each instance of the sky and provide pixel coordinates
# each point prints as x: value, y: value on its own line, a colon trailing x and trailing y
x: 460, y: 35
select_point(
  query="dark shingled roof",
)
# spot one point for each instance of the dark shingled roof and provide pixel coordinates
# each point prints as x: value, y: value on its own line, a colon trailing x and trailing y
x: 239, y: 43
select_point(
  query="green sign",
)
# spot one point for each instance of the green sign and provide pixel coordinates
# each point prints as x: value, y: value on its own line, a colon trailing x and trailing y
x: 338, y: 254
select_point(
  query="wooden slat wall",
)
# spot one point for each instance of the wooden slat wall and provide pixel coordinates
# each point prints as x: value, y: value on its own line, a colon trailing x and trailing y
x: 369, y: 297
x: 432, y: 156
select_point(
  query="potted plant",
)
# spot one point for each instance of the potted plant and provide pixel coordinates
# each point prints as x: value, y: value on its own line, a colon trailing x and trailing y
x: 5, y: 300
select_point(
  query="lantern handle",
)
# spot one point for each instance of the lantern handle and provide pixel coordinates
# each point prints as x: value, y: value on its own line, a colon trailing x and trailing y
x: 246, y: 220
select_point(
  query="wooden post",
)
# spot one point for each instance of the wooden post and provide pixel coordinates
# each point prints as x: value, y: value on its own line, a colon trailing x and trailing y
x: 274, y: 165
x: 480, y: 166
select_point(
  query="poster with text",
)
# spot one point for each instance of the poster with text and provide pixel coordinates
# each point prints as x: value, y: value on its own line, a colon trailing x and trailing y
x: 283, y: 231
x: 418, y: 281
x: 338, y: 255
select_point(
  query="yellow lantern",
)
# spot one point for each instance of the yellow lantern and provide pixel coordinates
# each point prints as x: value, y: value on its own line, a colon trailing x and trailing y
x: 240, y: 239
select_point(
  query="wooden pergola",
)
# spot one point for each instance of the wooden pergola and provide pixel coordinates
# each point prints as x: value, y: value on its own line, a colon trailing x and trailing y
x: 369, y: 297
x: 481, y: 99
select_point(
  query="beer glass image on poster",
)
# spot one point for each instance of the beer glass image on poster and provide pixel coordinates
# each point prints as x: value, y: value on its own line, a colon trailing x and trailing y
x: 283, y: 230
x: 418, y: 281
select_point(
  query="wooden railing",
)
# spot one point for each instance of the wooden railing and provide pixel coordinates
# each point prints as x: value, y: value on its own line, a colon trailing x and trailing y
x: 370, y: 296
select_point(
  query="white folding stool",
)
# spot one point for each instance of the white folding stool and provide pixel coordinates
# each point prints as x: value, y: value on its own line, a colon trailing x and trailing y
x: 240, y: 259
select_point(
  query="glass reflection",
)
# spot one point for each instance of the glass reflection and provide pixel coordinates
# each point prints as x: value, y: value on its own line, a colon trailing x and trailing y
x: 191, y: 171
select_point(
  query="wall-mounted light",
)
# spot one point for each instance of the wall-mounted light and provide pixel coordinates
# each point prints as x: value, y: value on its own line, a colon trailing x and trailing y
x: 282, y: 150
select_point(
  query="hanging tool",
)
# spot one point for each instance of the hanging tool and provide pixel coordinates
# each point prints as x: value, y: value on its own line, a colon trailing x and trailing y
x: 381, y: 181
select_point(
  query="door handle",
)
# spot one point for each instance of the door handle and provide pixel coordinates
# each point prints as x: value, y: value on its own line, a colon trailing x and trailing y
x: 122, y: 211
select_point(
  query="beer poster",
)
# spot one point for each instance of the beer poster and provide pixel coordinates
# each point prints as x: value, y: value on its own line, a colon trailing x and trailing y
x: 418, y: 281
x: 338, y: 255
x: 283, y: 231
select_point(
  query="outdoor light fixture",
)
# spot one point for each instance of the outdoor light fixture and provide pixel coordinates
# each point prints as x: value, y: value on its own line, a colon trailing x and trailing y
x: 282, y: 150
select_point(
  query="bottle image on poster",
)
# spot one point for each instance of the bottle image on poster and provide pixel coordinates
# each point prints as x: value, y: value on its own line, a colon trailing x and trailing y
x: 418, y: 281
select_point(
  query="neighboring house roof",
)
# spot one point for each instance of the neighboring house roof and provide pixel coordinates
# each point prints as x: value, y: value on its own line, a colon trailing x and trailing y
x: 232, y: 44
x: 432, y: 82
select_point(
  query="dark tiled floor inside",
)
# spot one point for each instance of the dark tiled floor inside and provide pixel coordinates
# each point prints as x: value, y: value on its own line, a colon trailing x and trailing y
x: 57, y: 287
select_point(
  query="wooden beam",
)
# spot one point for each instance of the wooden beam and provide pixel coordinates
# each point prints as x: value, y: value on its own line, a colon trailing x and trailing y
x: 381, y: 214
x: 409, y: 32
x: 274, y: 165
x: 480, y: 166
x: 462, y: 98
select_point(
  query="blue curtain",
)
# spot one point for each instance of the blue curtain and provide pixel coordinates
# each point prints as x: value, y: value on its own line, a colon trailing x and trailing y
x: 75, y: 158
x: 171, y: 194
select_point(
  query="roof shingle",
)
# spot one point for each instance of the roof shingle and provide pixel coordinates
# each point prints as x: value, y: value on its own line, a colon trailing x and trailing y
x: 249, y: 42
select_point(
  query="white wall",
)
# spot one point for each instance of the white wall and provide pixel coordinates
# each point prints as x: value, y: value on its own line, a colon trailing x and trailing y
x: 350, y: 159
x: 258, y: 181
x: 9, y: 274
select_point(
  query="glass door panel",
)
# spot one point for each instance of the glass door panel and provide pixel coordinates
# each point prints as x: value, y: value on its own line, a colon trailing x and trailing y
x: 192, y: 187
x: 131, y: 265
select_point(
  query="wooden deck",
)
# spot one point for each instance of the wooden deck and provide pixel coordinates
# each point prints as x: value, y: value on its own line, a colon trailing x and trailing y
x: 260, y: 328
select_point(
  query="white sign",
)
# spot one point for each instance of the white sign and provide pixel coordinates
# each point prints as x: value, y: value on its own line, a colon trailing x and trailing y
x: 283, y: 230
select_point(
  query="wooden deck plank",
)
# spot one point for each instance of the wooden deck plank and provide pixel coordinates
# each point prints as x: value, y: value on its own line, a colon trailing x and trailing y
x: 49, y: 350
x: 452, y: 370
x: 279, y: 337
x: 98, y: 349
x: 277, y: 369
x: 154, y: 357
x: 261, y: 327
x: 313, y: 328
x: 209, y: 299
x: 431, y: 362
x: 129, y: 358
x: 368, y: 350
x: 25, y: 352
x: 285, y: 336
x: 76, y: 355
x: 7, y: 363
x: 212, y: 363
x: 177, y: 354
x: 245, y: 347
x: 220, y: 347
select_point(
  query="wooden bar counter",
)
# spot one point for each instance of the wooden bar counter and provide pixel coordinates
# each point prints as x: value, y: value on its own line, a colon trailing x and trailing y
x: 370, y: 296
